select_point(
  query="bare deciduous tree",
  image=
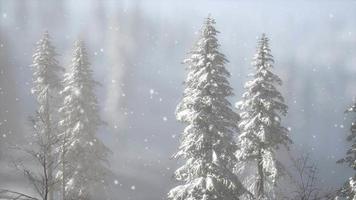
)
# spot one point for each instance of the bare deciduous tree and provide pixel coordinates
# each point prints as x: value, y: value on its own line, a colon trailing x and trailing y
x: 42, y: 183
x: 306, y: 180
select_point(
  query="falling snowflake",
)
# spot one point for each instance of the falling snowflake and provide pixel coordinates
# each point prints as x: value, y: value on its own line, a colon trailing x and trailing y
x: 152, y: 92
x: 76, y: 92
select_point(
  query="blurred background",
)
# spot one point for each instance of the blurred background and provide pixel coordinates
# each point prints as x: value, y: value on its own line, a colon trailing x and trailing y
x: 136, y: 49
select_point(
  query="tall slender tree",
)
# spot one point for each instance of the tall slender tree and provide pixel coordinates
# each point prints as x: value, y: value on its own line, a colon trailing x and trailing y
x: 207, y: 142
x: 348, y: 191
x: 261, y: 130
x: 84, y: 171
x: 46, y: 85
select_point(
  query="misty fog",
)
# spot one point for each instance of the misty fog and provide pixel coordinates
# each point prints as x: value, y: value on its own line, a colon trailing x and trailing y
x: 136, y: 49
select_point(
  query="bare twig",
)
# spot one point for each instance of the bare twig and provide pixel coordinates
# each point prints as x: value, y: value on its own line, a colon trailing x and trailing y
x: 13, y: 195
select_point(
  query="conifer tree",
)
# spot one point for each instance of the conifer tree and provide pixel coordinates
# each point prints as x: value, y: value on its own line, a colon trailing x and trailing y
x: 207, y: 144
x: 83, y: 169
x: 46, y: 85
x: 348, y: 191
x: 261, y: 131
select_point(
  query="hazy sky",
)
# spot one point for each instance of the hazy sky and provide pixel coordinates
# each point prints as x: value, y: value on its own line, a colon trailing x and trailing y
x: 136, y: 49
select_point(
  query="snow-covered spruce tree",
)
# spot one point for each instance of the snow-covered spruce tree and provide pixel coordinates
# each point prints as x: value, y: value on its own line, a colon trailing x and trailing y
x: 46, y: 85
x: 261, y: 130
x: 348, y: 191
x: 207, y: 142
x: 83, y: 170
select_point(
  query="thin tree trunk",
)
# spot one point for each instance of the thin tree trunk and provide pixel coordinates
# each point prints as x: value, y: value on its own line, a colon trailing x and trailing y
x: 45, y: 196
x: 50, y: 173
x: 49, y: 152
x: 63, y: 168
x: 260, y: 178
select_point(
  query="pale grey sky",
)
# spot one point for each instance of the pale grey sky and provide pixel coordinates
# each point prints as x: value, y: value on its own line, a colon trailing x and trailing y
x: 136, y: 49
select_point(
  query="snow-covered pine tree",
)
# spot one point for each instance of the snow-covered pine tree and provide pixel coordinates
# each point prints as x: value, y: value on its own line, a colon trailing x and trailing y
x: 207, y: 143
x: 84, y: 171
x: 261, y: 130
x: 348, y: 191
x: 46, y: 85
